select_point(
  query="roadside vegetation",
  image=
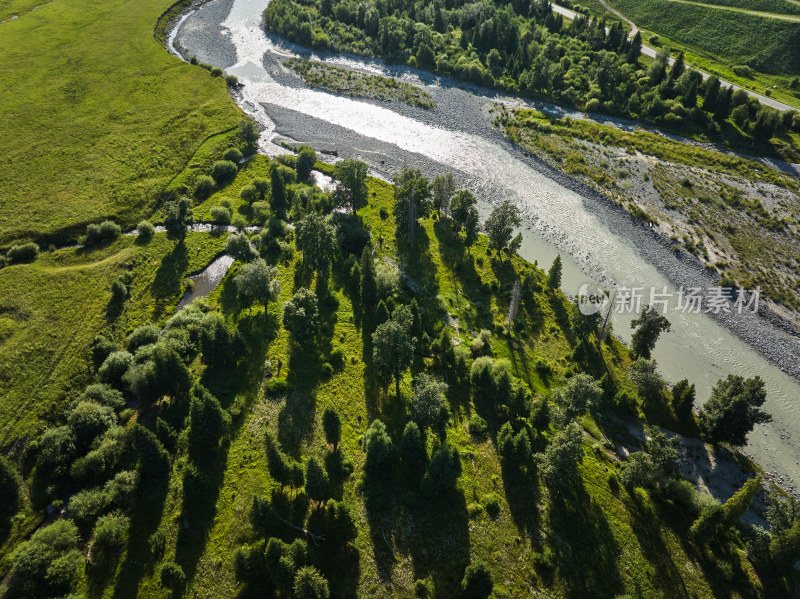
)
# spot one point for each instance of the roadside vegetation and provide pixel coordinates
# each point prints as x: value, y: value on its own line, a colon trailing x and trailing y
x: 723, y: 209
x: 527, y: 49
x: 376, y: 400
x: 359, y: 85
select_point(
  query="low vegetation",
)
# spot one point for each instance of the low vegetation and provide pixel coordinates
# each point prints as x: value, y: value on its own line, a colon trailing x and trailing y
x: 360, y: 85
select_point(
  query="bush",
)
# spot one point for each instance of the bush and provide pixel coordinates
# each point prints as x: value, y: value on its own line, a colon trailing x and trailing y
x: 478, y: 427
x: 221, y: 215
x: 477, y: 582
x: 277, y: 387
x: 233, y: 154
x: 146, y: 230
x: 46, y: 565
x: 172, y: 576
x: 203, y: 187
x: 143, y: 335
x: 232, y: 80
x: 217, y: 72
x: 114, y: 368
x: 110, y: 532
x: 492, y: 506
x: 102, y: 233
x: 23, y: 253
x: 223, y: 171
x: 239, y: 221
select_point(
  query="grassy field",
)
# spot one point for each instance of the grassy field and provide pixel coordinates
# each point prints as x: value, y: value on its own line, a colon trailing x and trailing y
x: 51, y: 310
x: 765, y: 44
x: 97, y: 116
x: 361, y: 85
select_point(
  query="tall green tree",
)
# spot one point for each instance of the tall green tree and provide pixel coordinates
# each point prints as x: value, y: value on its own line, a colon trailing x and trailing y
x: 257, y: 282
x: 648, y: 382
x: 301, y: 316
x: 318, y: 486
x: 460, y: 207
x: 581, y: 393
x: 734, y: 409
x: 179, y: 216
x: 352, y: 188
x: 369, y: 287
x: 649, y: 327
x: 429, y: 403
x: 316, y: 238
x: 561, y: 458
x: 683, y: 396
x: 443, y: 188
x: 393, y: 346
x: 500, y: 227
x: 279, y: 195
x: 411, y: 201
x: 554, y: 274
x: 306, y: 159
x: 208, y: 421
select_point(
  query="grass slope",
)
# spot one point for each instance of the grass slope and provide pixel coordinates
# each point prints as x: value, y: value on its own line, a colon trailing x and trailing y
x: 97, y: 116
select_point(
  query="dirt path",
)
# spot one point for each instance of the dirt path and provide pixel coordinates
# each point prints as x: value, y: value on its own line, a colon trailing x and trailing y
x: 747, y: 11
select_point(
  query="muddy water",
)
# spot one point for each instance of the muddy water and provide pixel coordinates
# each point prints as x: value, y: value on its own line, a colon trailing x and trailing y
x: 206, y: 281
x: 597, y: 245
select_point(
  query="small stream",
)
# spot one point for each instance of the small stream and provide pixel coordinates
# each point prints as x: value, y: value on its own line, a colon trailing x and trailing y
x: 206, y: 281
x: 598, y: 243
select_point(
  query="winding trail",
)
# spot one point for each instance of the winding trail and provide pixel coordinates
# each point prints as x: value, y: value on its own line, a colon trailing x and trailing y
x: 652, y: 52
x: 747, y: 11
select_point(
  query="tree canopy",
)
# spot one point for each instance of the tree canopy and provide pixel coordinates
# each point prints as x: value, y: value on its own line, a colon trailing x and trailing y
x: 734, y: 409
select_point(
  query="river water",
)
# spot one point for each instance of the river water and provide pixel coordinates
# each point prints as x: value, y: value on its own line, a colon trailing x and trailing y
x: 597, y: 244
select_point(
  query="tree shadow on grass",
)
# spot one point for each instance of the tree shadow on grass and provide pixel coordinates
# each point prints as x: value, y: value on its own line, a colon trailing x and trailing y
x: 145, y: 517
x: 587, y: 553
x: 296, y: 421
x: 522, y: 494
x: 201, y: 486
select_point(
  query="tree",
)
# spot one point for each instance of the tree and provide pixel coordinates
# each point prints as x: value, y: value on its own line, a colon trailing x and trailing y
x: 172, y: 577
x: 306, y: 159
x: 662, y: 449
x: 47, y: 564
x: 339, y: 523
x: 500, y: 227
x: 114, y: 368
x: 648, y: 328
x: 559, y: 464
x: 143, y: 335
x: 316, y: 238
x: 238, y: 245
x: 583, y: 325
x: 554, y: 274
x: 317, y: 483
x: 369, y: 287
x: 301, y: 316
x: 645, y: 377
x: 707, y: 523
x: 784, y: 548
x: 203, y: 187
x: 411, y: 201
x: 249, y: 194
x: 332, y: 425
x: 638, y: 471
x: 683, y: 399
x: 257, y: 282
x: 88, y: 420
x: 310, y: 584
x: 352, y: 187
x: 11, y: 483
x: 581, y: 393
x: 443, y: 187
x: 208, y: 422
x: 248, y: 129
x: 179, y: 216
x: 739, y: 503
x: 734, y: 409
x: 393, y: 347
x: 477, y: 582
x: 108, y: 536
x: 378, y: 446
x: 443, y: 470
x: 460, y: 208
x: 153, y: 458
x: 471, y: 227
x: 412, y: 446
x: 223, y: 171
x: 429, y: 404
x: 279, y: 195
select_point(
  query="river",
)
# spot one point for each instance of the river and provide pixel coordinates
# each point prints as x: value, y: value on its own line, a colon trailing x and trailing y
x: 598, y: 242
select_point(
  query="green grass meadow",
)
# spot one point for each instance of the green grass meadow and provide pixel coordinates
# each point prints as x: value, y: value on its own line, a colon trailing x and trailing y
x: 97, y: 116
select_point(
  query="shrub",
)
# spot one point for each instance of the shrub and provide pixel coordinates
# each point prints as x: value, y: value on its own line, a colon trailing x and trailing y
x: 11, y: 483
x: 23, y: 253
x: 477, y: 582
x: 239, y: 221
x: 478, y: 427
x: 338, y: 358
x: 203, y: 187
x: 114, y: 368
x: 143, y: 335
x: 310, y: 584
x: 102, y: 233
x: 172, y: 576
x: 221, y: 215
x: 492, y: 506
x: 223, y: 171
x: 110, y: 532
x: 232, y: 80
x: 46, y: 565
x: 217, y: 72
x: 277, y: 387
x: 233, y: 154
x: 146, y: 230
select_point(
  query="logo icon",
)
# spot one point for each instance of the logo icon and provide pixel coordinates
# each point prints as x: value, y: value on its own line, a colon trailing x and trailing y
x: 591, y: 299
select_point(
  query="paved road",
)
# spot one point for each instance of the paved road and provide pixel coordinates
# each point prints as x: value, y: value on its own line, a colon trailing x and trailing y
x: 652, y: 52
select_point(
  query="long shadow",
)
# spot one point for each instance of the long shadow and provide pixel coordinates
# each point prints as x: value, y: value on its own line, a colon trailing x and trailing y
x: 522, y: 494
x: 201, y: 487
x: 145, y: 517
x: 587, y: 553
